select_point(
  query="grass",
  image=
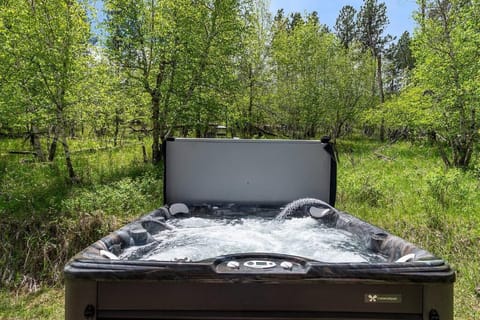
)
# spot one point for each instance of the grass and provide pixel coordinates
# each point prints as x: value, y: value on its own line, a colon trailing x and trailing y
x: 46, y: 303
x: 402, y: 188
x: 44, y: 219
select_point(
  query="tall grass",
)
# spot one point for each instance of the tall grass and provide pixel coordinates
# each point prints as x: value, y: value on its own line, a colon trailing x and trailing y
x: 45, y: 220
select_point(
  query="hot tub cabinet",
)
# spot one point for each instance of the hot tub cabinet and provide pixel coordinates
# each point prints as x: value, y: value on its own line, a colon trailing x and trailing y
x: 211, y: 174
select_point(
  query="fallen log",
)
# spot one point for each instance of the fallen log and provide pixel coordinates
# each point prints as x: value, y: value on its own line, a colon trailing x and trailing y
x: 383, y: 157
x: 92, y: 150
x: 22, y: 152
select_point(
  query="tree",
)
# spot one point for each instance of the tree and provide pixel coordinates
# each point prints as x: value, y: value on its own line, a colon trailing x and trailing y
x: 447, y: 68
x: 403, y: 54
x: 109, y: 103
x: 215, y: 38
x: 179, y: 52
x: 143, y: 43
x: 319, y: 85
x: 297, y: 56
x: 345, y: 25
x: 313, y: 18
x: 349, y: 91
x: 371, y: 22
x: 45, y: 71
x: 399, y: 63
x: 252, y: 109
x: 296, y: 20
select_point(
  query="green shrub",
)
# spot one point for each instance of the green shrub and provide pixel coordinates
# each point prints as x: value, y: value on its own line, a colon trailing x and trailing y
x: 364, y: 189
x: 448, y: 187
x: 125, y: 197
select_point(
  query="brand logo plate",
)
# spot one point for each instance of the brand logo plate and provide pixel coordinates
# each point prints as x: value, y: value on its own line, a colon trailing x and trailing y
x: 383, y: 298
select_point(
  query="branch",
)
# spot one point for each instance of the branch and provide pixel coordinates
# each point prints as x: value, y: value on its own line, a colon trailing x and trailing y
x: 22, y: 152
x: 383, y: 157
x: 45, y: 81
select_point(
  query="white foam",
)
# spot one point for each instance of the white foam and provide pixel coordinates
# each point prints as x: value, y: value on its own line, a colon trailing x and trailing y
x: 197, y: 239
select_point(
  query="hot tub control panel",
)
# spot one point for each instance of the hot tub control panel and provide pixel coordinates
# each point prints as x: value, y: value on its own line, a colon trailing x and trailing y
x: 259, y: 265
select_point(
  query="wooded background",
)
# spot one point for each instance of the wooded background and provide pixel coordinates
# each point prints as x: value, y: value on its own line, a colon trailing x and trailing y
x: 182, y: 68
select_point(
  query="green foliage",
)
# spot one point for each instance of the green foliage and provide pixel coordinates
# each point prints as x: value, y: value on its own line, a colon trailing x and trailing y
x: 447, y: 188
x: 43, y: 73
x: 123, y: 198
x: 398, y: 63
x: 446, y: 49
x: 365, y: 190
x: 371, y: 23
x: 175, y: 68
x: 181, y: 54
x: 412, y: 108
x: 403, y: 56
x: 252, y: 104
x: 320, y: 86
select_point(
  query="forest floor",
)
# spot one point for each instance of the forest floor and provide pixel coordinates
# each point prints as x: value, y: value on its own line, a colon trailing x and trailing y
x: 402, y: 187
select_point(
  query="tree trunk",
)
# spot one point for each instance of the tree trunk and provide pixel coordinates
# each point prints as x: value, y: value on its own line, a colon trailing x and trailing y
x: 462, y: 152
x: 144, y: 153
x: 198, y: 126
x: 337, y: 127
x: 432, y: 137
x: 66, y: 149
x: 423, y: 12
x: 381, y: 93
x: 117, y: 127
x: 379, y: 78
x: 185, y: 131
x: 368, y: 130
x: 36, y: 145
x: 382, y: 130
x: 156, y: 151
x: 250, y: 101
x: 71, y: 173
x: 52, y: 151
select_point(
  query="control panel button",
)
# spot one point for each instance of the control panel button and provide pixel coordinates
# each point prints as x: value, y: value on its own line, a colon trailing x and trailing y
x: 286, y: 265
x: 259, y: 264
x: 233, y: 264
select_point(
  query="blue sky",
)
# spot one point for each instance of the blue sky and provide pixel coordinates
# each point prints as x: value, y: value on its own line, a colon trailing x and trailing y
x: 399, y: 11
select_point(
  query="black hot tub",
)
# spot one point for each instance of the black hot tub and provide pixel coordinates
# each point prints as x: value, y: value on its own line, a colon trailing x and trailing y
x: 227, y: 246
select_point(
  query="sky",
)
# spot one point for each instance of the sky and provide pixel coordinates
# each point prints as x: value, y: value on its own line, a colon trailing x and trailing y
x: 399, y: 12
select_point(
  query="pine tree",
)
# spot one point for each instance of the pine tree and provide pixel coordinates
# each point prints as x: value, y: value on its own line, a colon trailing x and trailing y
x: 345, y: 27
x: 371, y: 22
x: 403, y: 54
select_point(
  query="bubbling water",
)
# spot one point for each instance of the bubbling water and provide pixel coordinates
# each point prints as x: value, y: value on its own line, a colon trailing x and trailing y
x: 196, y: 239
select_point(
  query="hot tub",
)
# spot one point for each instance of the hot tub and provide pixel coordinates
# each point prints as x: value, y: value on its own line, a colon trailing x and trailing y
x: 241, y: 237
